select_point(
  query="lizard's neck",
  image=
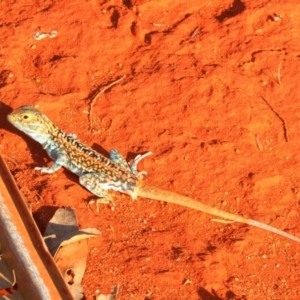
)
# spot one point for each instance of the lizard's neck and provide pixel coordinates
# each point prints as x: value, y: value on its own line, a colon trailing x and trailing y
x: 44, y: 133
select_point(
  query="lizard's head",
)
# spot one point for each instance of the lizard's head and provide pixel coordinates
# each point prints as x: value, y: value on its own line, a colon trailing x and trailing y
x: 32, y: 122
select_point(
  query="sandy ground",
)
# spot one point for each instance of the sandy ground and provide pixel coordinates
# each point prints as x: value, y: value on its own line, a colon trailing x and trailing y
x: 212, y: 89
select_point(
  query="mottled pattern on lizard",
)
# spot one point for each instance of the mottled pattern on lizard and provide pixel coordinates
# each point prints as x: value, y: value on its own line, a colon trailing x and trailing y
x: 100, y: 174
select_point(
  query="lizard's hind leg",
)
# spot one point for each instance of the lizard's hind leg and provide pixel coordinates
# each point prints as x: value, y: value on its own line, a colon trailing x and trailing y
x: 133, y: 165
x: 118, y: 158
x: 115, y: 156
x: 92, y: 182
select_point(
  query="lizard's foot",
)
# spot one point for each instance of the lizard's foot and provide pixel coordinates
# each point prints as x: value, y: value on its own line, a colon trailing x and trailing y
x: 133, y: 165
x: 56, y: 166
x: 106, y: 200
x: 44, y: 170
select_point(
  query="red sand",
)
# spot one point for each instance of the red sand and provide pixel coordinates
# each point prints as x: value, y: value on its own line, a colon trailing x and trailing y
x: 212, y: 89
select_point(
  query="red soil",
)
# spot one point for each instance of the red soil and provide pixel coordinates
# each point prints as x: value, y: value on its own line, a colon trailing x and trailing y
x: 212, y: 90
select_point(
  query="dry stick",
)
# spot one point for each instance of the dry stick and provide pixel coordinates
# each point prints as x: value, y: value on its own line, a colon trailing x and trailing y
x: 195, y: 32
x: 279, y: 73
x: 258, y: 143
x: 98, y: 94
x: 279, y: 117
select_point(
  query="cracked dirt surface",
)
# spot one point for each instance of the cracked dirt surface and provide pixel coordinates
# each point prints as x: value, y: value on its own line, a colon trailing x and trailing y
x: 211, y: 89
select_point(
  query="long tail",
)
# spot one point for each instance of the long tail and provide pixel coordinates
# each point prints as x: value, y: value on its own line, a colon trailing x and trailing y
x: 155, y: 193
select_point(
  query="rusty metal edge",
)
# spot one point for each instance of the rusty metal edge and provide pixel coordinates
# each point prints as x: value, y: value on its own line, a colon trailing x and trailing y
x: 23, y: 247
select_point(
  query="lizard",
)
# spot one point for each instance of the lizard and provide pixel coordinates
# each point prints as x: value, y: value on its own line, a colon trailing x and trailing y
x: 99, y: 174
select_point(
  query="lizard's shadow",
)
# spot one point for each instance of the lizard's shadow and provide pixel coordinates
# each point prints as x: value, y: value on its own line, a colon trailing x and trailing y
x: 206, y: 295
x: 43, y: 215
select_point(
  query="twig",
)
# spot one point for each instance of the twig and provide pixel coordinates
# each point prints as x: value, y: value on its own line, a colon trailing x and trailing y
x: 101, y: 91
x: 279, y: 117
x: 158, y: 24
x: 258, y: 143
x: 195, y: 32
x: 279, y: 73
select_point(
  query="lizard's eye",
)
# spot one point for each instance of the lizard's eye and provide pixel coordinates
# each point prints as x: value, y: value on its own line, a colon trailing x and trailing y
x: 25, y: 117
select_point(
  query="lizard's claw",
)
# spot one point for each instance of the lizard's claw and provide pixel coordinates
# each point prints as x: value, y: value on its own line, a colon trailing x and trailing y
x: 133, y: 165
x: 43, y: 170
x: 105, y: 200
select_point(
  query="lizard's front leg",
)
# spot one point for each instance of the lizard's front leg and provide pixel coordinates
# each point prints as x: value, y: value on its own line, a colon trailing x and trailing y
x: 96, y: 184
x: 58, y: 163
x: 58, y: 154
